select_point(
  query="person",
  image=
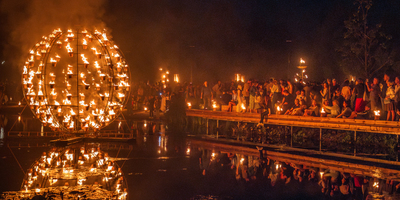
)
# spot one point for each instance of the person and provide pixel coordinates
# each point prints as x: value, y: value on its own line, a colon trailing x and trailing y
x: 396, y: 93
x: 217, y: 89
x: 365, y: 114
x: 333, y: 110
x: 287, y: 101
x: 388, y: 101
x: 234, y: 101
x: 295, y: 106
x: 359, y: 94
x: 289, y: 86
x: 151, y: 106
x: 346, y: 111
x: 206, y: 95
x: 246, y: 93
x: 313, y: 110
x: 324, y: 92
x: 258, y: 100
x: 346, y: 90
x: 300, y: 110
x: 239, y: 99
x: 374, y: 95
x: 252, y: 92
x: 345, y: 188
x: 301, y: 96
x: 275, y: 94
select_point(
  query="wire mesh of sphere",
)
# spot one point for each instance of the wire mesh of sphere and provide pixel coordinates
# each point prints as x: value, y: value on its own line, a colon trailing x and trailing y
x: 76, y: 80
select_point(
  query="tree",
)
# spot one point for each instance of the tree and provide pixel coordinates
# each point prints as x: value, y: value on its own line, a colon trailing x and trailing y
x: 365, y: 47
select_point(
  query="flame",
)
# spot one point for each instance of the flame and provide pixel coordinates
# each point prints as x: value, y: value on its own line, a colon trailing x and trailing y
x: 53, y: 93
x: 84, y: 42
x: 71, y: 125
x: 69, y: 49
x: 67, y: 118
x: 302, y: 61
x: 96, y: 65
x: 322, y: 110
x: 72, y: 112
x: 25, y: 70
x: 377, y: 113
x: 105, y: 37
x: 52, y: 60
x: 66, y: 102
x: 84, y: 59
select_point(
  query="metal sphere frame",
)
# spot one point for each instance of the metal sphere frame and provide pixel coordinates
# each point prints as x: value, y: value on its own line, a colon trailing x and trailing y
x: 76, y: 80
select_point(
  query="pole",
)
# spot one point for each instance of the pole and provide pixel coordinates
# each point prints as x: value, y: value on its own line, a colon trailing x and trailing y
x: 320, y: 139
x: 355, y: 143
x: 291, y: 136
x: 217, y: 127
x: 207, y: 126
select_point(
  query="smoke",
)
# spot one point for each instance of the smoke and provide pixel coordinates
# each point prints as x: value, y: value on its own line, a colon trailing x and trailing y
x: 26, y: 21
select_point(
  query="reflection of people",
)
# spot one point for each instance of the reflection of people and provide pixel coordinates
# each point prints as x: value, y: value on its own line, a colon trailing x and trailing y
x: 204, y: 161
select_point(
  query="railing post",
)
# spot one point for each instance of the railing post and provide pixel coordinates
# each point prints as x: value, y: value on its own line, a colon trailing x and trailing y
x: 207, y: 126
x: 291, y: 136
x: 355, y: 143
x: 217, y: 127
x: 320, y: 139
x: 397, y: 153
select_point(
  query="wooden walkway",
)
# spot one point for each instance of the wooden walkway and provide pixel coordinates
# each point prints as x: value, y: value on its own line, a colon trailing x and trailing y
x: 357, y: 125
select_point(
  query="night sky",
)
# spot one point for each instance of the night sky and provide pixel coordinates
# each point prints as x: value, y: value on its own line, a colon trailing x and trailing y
x: 214, y: 38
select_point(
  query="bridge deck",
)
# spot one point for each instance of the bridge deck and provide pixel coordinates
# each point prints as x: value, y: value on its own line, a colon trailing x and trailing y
x: 376, y: 126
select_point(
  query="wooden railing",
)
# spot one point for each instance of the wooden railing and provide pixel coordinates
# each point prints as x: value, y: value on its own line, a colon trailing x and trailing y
x: 33, y: 134
x: 360, y: 125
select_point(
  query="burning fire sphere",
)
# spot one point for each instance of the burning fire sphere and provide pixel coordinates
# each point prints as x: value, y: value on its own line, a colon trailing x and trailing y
x: 76, y: 80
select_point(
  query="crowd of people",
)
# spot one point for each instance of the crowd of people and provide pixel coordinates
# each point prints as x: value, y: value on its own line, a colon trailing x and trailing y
x: 361, y: 99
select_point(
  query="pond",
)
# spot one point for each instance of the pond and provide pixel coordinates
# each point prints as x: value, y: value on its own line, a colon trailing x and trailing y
x: 164, y: 164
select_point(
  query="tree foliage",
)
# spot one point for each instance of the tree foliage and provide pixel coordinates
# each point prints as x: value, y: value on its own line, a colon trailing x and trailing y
x: 365, y: 48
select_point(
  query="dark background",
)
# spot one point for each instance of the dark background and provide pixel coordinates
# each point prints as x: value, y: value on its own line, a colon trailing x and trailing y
x: 214, y: 38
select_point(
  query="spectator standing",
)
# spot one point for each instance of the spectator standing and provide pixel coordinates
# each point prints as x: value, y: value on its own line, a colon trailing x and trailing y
x: 275, y: 94
x: 206, y: 95
x: 389, y: 100
x: 252, y: 92
x: 374, y: 95
x: 246, y: 93
x: 359, y: 92
x: 346, y: 90
x: 324, y: 92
